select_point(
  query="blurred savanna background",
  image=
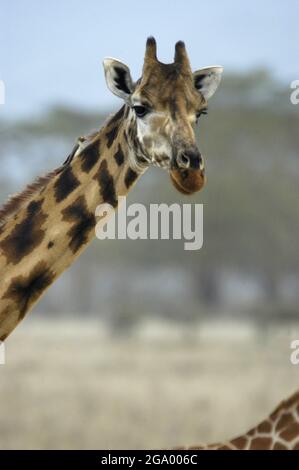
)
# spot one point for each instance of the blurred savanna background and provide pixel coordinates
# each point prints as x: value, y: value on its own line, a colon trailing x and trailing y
x: 142, y: 344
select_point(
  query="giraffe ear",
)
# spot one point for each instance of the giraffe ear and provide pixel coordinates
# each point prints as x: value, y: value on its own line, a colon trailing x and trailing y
x: 207, y: 79
x: 118, y: 78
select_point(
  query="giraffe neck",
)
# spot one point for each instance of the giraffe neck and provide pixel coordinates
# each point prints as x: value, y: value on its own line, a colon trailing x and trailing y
x: 47, y: 226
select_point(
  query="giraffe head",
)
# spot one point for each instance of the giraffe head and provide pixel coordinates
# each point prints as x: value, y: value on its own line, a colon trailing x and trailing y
x: 163, y: 107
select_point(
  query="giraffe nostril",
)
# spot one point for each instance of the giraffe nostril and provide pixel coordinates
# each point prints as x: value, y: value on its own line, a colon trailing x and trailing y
x: 190, y: 159
x: 183, y: 160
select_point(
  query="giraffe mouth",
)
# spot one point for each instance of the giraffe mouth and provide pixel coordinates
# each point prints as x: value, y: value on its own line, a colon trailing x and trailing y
x: 188, y: 181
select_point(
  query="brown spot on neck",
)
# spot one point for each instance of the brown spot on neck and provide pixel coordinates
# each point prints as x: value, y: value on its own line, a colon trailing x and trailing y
x: 82, y: 223
x: 25, y: 290
x: 90, y: 156
x: 106, y: 183
x: 130, y: 177
x: 111, y: 135
x: 119, y: 156
x: 65, y: 184
x: 26, y: 235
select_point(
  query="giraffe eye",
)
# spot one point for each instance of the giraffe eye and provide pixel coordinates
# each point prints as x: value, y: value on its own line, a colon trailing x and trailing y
x: 140, y: 110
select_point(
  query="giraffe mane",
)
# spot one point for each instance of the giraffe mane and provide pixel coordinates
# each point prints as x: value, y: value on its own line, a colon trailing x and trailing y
x: 17, y: 201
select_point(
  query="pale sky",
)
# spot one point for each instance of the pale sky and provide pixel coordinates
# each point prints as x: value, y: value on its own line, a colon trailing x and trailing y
x: 51, y: 52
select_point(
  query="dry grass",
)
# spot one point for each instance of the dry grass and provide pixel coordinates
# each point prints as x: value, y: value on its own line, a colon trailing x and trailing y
x: 71, y: 386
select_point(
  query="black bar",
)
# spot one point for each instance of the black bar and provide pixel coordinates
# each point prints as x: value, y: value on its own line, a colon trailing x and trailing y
x: 139, y: 459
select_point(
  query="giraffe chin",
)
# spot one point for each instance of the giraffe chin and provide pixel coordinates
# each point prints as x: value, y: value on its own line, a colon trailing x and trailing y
x: 188, y: 181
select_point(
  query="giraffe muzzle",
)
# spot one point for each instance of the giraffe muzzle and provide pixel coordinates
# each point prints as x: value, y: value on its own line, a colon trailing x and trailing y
x: 187, y: 173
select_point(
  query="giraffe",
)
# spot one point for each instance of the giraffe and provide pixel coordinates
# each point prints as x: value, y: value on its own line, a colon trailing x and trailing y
x: 280, y: 431
x: 48, y: 225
